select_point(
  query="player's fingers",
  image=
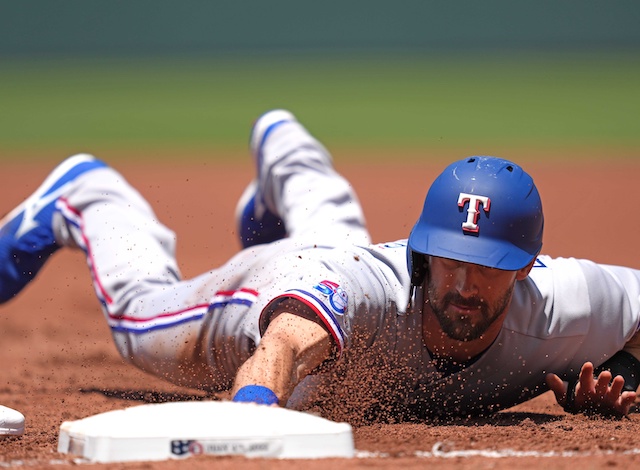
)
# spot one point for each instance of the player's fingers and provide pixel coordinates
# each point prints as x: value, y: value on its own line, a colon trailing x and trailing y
x: 586, y: 382
x: 623, y: 404
x: 586, y: 372
x: 616, y: 386
x: 602, y: 385
x: 627, y: 400
x: 558, y: 387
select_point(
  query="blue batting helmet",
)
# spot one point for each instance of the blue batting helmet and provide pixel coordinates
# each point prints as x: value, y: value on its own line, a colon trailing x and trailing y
x: 481, y: 210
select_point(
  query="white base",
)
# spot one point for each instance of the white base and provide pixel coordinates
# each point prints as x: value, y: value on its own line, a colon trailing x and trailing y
x: 178, y: 430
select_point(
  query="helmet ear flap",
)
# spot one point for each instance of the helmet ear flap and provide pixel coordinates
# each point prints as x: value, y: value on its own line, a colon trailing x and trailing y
x: 418, y: 268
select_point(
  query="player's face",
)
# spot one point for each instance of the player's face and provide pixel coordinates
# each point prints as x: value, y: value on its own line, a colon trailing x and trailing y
x: 466, y: 298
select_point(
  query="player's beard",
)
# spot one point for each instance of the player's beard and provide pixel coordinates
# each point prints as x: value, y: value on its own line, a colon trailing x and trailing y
x: 462, y: 327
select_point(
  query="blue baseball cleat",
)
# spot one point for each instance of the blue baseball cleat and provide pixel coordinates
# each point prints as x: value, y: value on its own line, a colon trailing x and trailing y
x: 26, y: 233
x: 256, y: 224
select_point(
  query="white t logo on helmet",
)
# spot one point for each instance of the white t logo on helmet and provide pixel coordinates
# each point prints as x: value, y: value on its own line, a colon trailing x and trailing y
x: 473, y: 212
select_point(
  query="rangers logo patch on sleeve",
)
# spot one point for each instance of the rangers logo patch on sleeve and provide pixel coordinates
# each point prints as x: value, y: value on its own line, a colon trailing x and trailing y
x: 336, y: 295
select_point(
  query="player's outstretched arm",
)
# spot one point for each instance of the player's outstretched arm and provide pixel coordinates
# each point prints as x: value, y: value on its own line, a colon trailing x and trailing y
x: 290, y: 349
x: 601, y: 394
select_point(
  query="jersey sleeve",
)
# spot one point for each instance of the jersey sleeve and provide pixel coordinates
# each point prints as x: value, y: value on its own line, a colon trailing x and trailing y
x: 355, y: 292
x: 327, y: 298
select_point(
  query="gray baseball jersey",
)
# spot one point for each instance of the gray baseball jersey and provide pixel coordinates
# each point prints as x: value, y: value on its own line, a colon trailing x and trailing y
x: 197, y: 332
x: 566, y: 312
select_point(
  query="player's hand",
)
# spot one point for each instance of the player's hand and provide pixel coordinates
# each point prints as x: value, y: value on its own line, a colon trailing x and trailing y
x: 600, y: 395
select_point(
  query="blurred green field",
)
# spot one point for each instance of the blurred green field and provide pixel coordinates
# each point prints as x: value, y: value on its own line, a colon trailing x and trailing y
x: 368, y: 102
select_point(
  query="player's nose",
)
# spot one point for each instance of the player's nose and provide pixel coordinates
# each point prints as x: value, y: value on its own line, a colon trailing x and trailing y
x: 466, y: 280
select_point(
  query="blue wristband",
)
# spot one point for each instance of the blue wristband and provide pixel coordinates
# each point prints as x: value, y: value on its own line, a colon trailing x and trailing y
x: 256, y: 394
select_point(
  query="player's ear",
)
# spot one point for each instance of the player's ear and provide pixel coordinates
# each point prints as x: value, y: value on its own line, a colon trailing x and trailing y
x: 524, y: 272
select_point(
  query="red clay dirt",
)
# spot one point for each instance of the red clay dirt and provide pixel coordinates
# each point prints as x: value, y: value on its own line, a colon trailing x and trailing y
x: 58, y: 362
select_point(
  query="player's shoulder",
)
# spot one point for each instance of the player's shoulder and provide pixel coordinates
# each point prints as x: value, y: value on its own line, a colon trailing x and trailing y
x: 566, y: 296
x: 548, y: 274
x: 400, y: 245
x: 393, y: 253
x: 568, y: 282
x: 552, y: 301
x: 564, y: 271
x: 545, y: 263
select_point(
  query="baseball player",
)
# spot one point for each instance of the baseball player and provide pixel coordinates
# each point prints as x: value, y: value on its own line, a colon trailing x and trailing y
x: 464, y: 317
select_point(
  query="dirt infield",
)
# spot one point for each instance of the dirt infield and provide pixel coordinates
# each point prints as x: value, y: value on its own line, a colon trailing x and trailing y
x: 58, y: 362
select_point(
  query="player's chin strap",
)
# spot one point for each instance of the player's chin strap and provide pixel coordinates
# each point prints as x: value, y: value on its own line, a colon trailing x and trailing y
x: 621, y: 363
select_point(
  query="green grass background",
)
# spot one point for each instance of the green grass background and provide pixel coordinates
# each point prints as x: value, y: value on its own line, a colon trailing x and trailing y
x: 190, y: 106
